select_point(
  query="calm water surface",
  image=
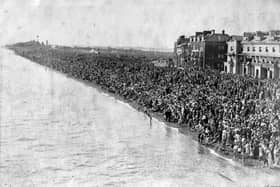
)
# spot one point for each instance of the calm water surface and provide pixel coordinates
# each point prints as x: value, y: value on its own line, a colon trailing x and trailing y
x: 55, y: 131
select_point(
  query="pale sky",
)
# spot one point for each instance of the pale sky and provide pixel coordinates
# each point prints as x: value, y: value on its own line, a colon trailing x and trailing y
x: 145, y: 23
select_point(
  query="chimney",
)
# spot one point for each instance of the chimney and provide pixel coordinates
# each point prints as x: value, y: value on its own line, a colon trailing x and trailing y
x: 223, y: 32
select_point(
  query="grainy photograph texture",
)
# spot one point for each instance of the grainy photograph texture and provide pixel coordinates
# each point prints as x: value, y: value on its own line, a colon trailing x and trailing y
x: 140, y: 93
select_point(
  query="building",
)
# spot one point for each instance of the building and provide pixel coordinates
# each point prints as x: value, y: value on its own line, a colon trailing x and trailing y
x: 234, y: 50
x: 257, y: 55
x: 206, y: 49
x: 197, y: 47
x: 181, y: 50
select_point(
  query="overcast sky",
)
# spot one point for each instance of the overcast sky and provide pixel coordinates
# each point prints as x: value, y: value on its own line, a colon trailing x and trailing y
x: 146, y: 23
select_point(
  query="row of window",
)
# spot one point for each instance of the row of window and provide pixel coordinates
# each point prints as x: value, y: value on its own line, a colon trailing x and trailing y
x: 260, y: 49
x: 196, y: 39
x: 254, y: 49
x: 263, y: 60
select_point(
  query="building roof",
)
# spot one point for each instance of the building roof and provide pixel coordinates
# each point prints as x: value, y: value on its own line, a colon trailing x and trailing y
x: 236, y: 37
x: 211, y: 36
x: 182, y: 39
x: 266, y: 40
x: 217, y: 37
x: 272, y: 36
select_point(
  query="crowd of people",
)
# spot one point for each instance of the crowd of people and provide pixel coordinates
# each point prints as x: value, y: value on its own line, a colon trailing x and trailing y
x: 238, y: 115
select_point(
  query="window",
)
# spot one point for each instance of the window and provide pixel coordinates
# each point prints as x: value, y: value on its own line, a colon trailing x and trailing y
x: 254, y: 49
x: 273, y: 49
x: 266, y: 49
x: 221, y: 47
x: 248, y: 49
x: 257, y: 73
x: 220, y: 56
x: 231, y: 48
x: 260, y: 49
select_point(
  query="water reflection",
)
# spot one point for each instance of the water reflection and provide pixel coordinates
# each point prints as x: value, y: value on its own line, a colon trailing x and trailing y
x: 56, y: 131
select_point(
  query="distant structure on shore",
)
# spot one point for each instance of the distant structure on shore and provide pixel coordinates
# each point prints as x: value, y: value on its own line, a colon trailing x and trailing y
x: 205, y: 48
x: 255, y: 54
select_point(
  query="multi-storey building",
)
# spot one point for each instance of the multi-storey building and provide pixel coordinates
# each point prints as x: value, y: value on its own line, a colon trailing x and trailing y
x: 181, y: 51
x: 205, y: 48
x: 234, y: 49
x: 257, y: 55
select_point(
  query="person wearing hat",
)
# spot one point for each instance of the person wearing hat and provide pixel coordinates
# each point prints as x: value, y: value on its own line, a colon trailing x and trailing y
x: 276, y: 153
x: 224, y: 136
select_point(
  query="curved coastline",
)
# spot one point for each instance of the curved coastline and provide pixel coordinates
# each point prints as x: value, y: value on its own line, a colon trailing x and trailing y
x: 213, y: 149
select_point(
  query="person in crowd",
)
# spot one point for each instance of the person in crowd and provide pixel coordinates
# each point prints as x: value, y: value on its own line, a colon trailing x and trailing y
x: 238, y: 113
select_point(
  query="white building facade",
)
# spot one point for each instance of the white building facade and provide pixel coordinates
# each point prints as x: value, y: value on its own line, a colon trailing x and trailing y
x: 257, y: 56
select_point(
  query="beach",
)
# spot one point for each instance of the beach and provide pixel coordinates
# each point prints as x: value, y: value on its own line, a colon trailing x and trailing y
x: 186, y: 130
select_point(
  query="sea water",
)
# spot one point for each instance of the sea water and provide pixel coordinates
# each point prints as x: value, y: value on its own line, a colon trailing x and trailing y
x: 56, y: 131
